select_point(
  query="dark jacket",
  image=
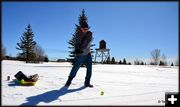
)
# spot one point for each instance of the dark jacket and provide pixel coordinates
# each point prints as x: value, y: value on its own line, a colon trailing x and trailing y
x: 83, y: 42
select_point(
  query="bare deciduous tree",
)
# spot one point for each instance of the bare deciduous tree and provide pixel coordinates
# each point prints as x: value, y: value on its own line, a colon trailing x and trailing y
x: 163, y: 59
x: 39, y: 53
x: 177, y: 62
x: 3, y: 52
x: 155, y: 56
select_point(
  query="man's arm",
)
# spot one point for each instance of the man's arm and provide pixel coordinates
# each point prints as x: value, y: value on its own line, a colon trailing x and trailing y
x: 86, y: 41
x: 77, y: 43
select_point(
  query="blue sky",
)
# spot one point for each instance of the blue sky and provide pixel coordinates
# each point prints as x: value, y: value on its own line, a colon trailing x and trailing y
x: 131, y: 29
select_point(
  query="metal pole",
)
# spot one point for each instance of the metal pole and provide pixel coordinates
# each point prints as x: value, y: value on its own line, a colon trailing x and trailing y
x: 102, y: 56
x: 95, y: 56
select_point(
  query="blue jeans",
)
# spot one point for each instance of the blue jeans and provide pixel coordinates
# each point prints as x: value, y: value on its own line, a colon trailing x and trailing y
x: 79, y: 60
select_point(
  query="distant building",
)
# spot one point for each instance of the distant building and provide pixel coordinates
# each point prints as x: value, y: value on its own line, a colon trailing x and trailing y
x: 102, y: 52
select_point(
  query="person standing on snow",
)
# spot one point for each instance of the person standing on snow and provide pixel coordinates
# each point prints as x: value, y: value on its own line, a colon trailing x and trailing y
x: 82, y: 41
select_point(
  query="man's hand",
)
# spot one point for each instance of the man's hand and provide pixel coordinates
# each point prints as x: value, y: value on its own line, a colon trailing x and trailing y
x: 77, y: 51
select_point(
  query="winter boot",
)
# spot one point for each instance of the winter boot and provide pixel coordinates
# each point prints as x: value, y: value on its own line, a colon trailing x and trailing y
x: 88, y: 85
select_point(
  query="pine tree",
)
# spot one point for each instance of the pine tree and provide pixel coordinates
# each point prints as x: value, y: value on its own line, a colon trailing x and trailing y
x: 120, y: 62
x: 27, y: 45
x: 108, y: 60
x: 113, y: 60
x: 161, y: 63
x: 72, y: 46
x: 82, y: 19
x: 138, y: 63
x: 46, y: 59
x: 142, y: 63
x: 172, y: 64
x: 124, y: 61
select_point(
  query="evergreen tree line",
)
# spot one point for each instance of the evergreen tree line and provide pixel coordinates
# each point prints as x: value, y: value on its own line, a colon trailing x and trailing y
x: 113, y: 61
x: 136, y: 62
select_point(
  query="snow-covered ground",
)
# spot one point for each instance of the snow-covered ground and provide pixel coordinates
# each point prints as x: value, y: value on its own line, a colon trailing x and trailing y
x: 121, y: 84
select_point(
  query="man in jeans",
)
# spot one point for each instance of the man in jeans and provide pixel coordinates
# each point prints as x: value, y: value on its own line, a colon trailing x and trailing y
x: 82, y: 41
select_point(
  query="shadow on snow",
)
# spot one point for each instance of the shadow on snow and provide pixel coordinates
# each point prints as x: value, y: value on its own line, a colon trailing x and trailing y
x: 13, y: 83
x: 50, y: 96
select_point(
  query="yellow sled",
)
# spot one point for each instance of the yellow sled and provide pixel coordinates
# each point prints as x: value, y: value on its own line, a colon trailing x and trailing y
x: 22, y: 79
x: 26, y: 83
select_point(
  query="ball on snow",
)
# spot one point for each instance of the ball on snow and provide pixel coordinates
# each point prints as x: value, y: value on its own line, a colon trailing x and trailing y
x: 102, y: 92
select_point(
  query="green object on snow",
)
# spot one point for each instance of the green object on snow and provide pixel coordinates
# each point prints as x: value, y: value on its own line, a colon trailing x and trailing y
x: 28, y: 83
x: 102, y: 92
